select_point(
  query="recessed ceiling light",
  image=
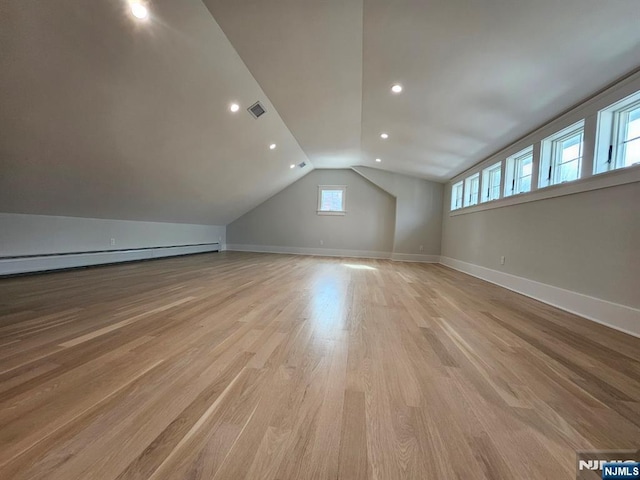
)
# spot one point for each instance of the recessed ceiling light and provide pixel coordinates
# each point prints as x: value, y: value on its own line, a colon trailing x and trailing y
x: 378, y: 160
x: 397, y: 88
x: 384, y: 136
x: 293, y: 165
x: 272, y: 146
x: 234, y: 107
x: 139, y: 10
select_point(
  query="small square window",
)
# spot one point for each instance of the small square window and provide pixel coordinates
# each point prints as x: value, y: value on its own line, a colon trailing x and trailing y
x: 332, y: 199
x: 491, y: 178
x: 561, y: 158
x: 471, y: 190
x: 456, y: 196
x: 519, y: 173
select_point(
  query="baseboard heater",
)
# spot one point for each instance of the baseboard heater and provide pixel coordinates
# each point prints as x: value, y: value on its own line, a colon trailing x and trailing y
x: 57, y: 261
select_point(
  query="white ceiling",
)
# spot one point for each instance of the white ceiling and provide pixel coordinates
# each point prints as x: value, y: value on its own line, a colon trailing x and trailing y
x: 307, y: 56
x: 478, y: 74
x: 103, y: 116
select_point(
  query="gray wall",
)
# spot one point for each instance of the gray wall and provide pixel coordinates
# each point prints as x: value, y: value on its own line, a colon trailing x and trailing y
x: 42, y: 234
x: 418, y: 210
x: 587, y: 242
x: 289, y: 218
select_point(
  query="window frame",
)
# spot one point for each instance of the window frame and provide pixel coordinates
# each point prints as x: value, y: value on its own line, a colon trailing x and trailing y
x: 596, y: 117
x: 618, y: 140
x: 608, y: 154
x: 513, y: 172
x: 558, y: 153
x: 487, y: 175
x: 552, y: 149
x: 468, y: 191
x: 454, y: 197
x: 342, y: 188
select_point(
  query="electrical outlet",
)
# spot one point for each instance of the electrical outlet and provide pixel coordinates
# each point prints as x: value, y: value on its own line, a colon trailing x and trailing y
x: 502, y: 260
x: 422, y: 248
x: 113, y: 242
x: 321, y: 242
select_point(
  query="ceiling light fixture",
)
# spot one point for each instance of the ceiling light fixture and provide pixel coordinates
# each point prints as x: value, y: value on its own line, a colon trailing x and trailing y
x: 272, y: 146
x: 378, y: 160
x: 234, y: 107
x: 293, y: 165
x: 384, y: 136
x: 139, y: 10
x: 397, y: 88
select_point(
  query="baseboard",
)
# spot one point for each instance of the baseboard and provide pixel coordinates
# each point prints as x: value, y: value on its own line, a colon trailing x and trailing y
x: 414, y: 257
x: 331, y: 252
x: 31, y: 264
x: 321, y: 252
x: 620, y: 317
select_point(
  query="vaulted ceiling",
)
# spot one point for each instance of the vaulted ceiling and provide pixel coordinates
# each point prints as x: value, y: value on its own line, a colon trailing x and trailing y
x: 105, y: 116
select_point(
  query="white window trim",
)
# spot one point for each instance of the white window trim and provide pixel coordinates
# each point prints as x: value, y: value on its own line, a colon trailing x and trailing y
x: 466, y: 200
x: 559, y: 151
x: 608, y: 134
x: 613, y: 98
x: 486, y: 182
x: 549, y: 155
x: 613, y: 178
x: 453, y: 187
x: 511, y: 172
x: 344, y: 200
x: 619, y: 141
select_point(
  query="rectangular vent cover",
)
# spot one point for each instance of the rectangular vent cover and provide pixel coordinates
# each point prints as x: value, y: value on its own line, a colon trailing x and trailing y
x: 257, y: 110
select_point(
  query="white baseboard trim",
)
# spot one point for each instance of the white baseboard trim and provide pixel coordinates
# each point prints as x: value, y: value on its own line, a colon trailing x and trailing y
x: 331, y: 252
x: 620, y: 317
x: 13, y: 266
x: 414, y: 257
x: 320, y: 252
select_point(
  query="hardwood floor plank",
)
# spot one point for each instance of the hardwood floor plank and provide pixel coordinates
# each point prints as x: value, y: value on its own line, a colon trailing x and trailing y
x: 242, y: 365
x: 353, y: 463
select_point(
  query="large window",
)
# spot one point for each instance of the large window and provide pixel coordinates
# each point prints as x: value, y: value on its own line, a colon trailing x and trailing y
x: 618, y: 137
x: 332, y: 200
x: 471, y: 190
x: 491, y: 177
x: 562, y: 156
x: 456, y: 196
x: 519, y: 173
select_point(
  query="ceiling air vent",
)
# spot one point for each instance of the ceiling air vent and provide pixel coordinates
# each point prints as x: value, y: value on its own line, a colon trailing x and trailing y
x: 302, y: 165
x: 257, y: 110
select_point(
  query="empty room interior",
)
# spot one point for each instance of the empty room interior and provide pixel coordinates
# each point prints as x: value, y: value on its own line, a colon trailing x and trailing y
x: 303, y: 239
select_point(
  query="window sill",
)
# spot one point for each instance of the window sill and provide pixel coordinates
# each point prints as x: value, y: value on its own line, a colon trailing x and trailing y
x: 334, y: 213
x: 602, y: 180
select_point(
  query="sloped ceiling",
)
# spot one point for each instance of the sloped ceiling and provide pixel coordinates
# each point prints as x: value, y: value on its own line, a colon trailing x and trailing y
x: 307, y: 56
x: 477, y: 74
x: 104, y: 116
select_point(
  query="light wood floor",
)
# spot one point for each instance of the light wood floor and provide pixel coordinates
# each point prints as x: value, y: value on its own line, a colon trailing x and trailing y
x: 232, y: 366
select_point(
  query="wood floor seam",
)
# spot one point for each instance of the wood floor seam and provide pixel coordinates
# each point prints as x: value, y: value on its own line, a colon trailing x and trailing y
x: 274, y: 367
